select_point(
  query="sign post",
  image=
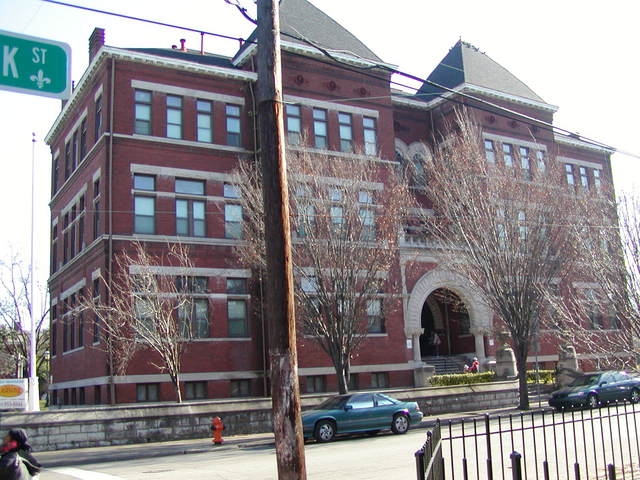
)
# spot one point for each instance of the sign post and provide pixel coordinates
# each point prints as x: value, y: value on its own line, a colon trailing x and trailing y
x: 33, y: 65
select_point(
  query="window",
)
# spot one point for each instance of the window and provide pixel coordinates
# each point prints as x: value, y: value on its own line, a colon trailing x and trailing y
x: 68, y: 165
x: 83, y: 138
x: 96, y: 318
x: 294, y: 124
x: 147, y: 392
x: 195, y: 390
x: 192, y: 284
x: 541, y: 161
x: 489, y: 151
x: 233, y: 125
x: 507, y: 154
x: 144, y: 182
x: 379, y: 380
x: 55, y: 175
x: 96, y: 208
x: 232, y: 221
x: 367, y: 225
x: 501, y: 231
x: 584, y: 178
x: 316, y: 384
x: 346, y: 132
x: 74, y: 150
x: 174, y: 116
x: 231, y: 191
x: 54, y: 248
x: 236, y: 286
x: 306, y: 220
x: 525, y: 163
x: 522, y: 225
x: 203, y: 120
x: 53, y: 339
x: 81, y: 214
x: 365, y: 197
x: 144, y: 214
x: 190, y: 213
x: 142, y: 123
x: 362, y: 400
x: 370, y: 141
x: 143, y: 310
x: 568, y: 169
x: 337, y: 218
x: 240, y: 388
x: 320, y: 128
x: 194, y: 318
x: 237, y: 318
x: 375, y: 320
x: 597, y: 180
x: 596, y: 320
x: 98, y: 118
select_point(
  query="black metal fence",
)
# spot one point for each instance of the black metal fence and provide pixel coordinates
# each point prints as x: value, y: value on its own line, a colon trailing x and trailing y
x: 577, y: 444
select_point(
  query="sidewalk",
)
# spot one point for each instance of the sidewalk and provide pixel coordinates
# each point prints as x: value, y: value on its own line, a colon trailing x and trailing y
x: 83, y: 456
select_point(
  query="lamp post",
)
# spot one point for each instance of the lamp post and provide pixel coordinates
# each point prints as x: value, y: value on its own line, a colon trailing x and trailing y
x: 34, y: 395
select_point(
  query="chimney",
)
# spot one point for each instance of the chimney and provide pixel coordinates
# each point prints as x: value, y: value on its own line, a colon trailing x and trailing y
x: 182, y: 45
x: 96, y: 41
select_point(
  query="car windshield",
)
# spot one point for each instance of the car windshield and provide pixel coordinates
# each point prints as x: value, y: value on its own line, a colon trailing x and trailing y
x: 333, y: 403
x: 585, y: 380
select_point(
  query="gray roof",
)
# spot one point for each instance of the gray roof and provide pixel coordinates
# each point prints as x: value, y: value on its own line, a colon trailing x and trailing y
x: 299, y: 19
x: 467, y: 64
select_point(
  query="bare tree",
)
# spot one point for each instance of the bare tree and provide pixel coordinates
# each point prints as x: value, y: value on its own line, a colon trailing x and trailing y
x: 508, y: 225
x: 606, y: 309
x: 15, y: 317
x: 346, y: 215
x: 148, y: 309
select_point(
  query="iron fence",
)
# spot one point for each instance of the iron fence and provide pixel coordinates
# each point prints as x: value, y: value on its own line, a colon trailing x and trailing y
x: 577, y: 444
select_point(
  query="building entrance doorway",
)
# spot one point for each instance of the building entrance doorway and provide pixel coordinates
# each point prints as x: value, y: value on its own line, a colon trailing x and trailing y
x: 446, y: 324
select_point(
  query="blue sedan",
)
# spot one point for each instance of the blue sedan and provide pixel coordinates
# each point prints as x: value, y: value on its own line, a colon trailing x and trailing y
x: 359, y: 412
x: 597, y: 388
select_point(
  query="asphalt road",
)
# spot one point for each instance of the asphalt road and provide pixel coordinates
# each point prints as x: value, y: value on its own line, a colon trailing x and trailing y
x: 384, y: 456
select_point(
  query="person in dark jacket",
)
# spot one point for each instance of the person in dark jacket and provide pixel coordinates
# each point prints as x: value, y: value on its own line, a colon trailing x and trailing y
x: 16, y: 460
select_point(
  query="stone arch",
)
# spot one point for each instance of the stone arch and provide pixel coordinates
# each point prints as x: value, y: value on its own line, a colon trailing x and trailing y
x: 480, y: 315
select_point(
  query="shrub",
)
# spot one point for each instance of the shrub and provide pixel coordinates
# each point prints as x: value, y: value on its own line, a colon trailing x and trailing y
x: 462, y: 379
x: 546, y: 376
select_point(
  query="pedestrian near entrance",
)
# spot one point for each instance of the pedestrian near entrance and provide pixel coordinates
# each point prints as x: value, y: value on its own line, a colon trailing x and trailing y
x: 475, y: 366
x: 435, y: 341
x: 16, y: 460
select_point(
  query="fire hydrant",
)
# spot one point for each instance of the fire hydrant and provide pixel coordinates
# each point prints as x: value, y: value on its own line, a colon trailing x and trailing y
x: 217, y: 426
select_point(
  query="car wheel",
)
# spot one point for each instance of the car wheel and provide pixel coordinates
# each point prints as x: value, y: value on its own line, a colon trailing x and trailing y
x: 592, y: 401
x: 400, y: 423
x: 634, y: 397
x: 325, y: 431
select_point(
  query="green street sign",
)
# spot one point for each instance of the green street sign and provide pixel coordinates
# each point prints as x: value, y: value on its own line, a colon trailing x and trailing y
x: 36, y: 66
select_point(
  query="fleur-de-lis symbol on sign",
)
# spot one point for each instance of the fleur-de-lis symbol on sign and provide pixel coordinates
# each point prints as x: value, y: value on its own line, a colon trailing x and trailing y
x: 40, y: 79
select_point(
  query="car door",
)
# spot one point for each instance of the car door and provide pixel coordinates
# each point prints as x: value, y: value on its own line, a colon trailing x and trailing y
x: 358, y: 413
x: 607, y: 390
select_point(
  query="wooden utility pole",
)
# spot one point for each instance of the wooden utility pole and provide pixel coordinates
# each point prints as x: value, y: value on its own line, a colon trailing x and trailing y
x: 285, y: 392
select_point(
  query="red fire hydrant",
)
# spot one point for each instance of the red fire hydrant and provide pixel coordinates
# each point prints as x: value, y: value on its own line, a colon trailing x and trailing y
x: 217, y: 426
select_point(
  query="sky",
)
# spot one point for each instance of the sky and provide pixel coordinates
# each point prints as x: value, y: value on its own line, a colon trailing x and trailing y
x: 580, y: 55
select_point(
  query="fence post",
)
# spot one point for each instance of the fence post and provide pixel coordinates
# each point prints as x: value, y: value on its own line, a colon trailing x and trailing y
x: 420, y: 464
x: 489, y: 461
x: 612, y: 471
x: 516, y: 467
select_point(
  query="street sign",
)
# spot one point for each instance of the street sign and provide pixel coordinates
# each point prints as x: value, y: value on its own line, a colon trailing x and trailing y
x: 36, y: 66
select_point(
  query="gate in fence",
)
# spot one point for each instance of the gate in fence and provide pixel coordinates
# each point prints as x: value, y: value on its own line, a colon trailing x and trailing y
x: 579, y: 444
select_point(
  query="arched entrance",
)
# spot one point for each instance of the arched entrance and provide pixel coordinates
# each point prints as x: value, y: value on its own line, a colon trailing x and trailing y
x: 445, y: 314
x: 445, y: 302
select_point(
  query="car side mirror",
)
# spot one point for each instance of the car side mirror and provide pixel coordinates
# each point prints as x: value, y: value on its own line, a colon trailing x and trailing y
x: 348, y: 407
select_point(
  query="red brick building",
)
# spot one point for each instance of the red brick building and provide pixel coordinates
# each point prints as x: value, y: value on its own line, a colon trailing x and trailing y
x: 144, y: 151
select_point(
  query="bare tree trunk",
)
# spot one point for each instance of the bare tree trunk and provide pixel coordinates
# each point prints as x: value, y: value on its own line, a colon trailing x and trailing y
x: 521, y: 363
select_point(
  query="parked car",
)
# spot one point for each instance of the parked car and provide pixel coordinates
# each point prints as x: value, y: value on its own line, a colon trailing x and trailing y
x: 597, y: 388
x: 359, y: 412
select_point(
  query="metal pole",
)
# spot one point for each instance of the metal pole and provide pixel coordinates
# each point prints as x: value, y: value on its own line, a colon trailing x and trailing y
x: 34, y: 394
x: 279, y: 287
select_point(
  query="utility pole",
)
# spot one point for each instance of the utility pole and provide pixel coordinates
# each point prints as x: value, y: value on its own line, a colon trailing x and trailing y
x: 33, y: 398
x: 285, y: 392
